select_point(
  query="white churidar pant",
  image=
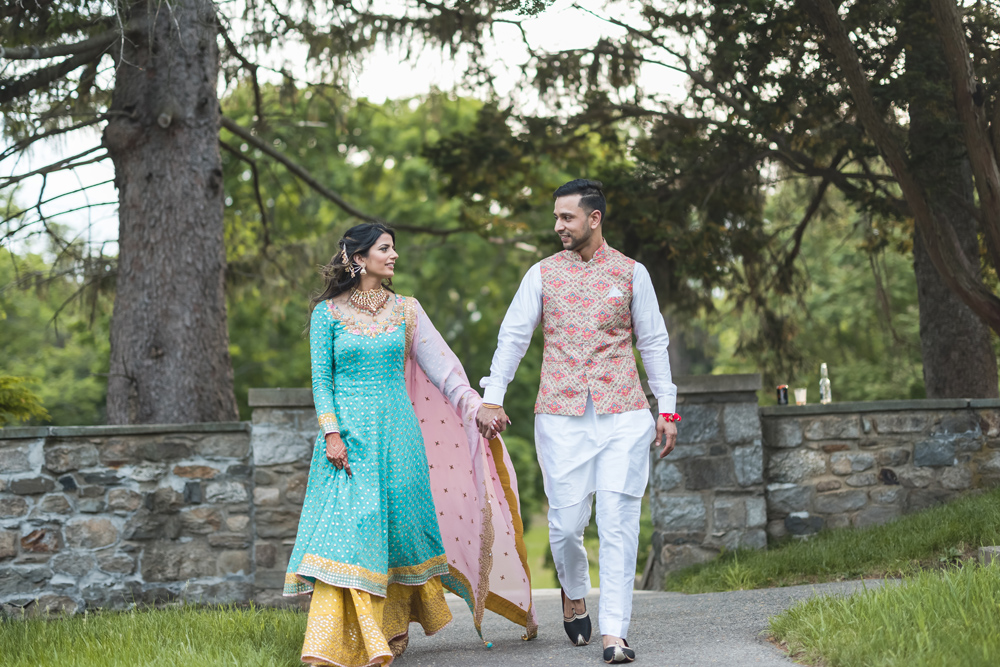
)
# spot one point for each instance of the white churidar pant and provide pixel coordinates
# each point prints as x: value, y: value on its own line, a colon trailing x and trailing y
x: 606, y: 455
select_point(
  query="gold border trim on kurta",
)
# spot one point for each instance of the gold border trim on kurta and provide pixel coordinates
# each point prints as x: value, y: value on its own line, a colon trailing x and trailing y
x: 354, y: 576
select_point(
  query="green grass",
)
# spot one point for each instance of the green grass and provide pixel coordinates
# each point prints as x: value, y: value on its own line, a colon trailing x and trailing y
x: 186, y: 636
x: 916, y: 542
x: 932, y: 619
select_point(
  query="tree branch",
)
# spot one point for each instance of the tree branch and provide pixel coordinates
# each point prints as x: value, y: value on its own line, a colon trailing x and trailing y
x: 100, y: 42
x: 940, y: 240
x: 256, y: 189
x: 27, y: 141
x: 66, y: 163
x: 12, y: 89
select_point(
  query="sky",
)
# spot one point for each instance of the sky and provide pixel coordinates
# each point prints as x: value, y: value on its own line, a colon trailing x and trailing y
x: 382, y: 75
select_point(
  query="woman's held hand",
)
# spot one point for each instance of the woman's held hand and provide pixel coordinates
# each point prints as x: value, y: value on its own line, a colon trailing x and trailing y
x: 336, y: 452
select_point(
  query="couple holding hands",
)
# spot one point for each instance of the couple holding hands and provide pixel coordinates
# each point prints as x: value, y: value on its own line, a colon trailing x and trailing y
x: 411, y: 490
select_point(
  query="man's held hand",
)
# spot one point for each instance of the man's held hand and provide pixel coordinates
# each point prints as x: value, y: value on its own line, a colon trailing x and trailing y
x: 491, y: 421
x: 668, y: 429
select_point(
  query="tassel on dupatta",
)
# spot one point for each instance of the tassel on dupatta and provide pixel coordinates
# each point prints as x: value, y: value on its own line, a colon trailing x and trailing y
x: 473, y: 484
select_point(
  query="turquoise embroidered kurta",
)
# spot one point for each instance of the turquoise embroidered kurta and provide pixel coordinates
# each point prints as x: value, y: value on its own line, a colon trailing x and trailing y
x: 379, y: 526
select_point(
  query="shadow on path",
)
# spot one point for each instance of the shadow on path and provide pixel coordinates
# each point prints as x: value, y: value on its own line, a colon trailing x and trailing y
x: 668, y: 629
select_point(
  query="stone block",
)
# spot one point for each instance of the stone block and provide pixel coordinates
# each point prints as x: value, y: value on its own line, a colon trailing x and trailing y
x: 55, y: 504
x: 116, y: 563
x: 8, y: 543
x: 273, y: 416
x: 148, y: 472
x: 699, y: 423
x: 803, y: 523
x: 729, y: 513
x: 845, y: 463
x: 23, y: 580
x: 239, y: 470
x: 934, y: 452
x: 53, y: 605
x: 31, y: 486
x: 795, y: 465
x: 274, y: 446
x: 295, y: 489
x: 988, y: 465
x: 201, y: 520
x: 266, y: 495
x: 841, y: 501
x: 836, y: 521
x: 902, y: 422
x: 162, y: 562
x: 741, y: 422
x: 989, y: 555
x: 14, y: 459
x: 893, y: 457
x: 233, y: 562
x: 63, y: 458
x: 833, y: 427
x: 228, y: 446
x: 921, y: 499
x: 835, y: 447
x: 861, y: 479
x: 682, y: 452
x: 828, y: 485
x: 915, y: 478
x: 90, y: 533
x: 229, y: 540
x: 196, y: 472
x: 12, y: 506
x: 164, y: 501
x: 46, y: 540
x: 788, y: 498
x: 748, y: 464
x: 776, y: 529
x: 783, y: 433
x: 960, y: 423
x: 124, y: 500
x: 237, y: 522
x: 77, y: 564
x: 226, y: 492
x: 666, y: 476
x: 68, y: 483
x: 223, y: 592
x: 167, y: 449
x: 678, y: 556
x: 90, y: 505
x: 117, y: 452
x: 710, y: 473
x: 144, y: 525
x: 989, y: 423
x: 753, y: 539
x: 956, y: 478
x: 888, y: 495
x: 756, y: 512
x: 193, y: 493
x: 671, y: 514
x: 265, y: 554
x: 876, y: 515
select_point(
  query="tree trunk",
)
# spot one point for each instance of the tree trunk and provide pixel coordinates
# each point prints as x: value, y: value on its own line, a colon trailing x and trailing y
x: 958, y: 356
x: 169, y: 339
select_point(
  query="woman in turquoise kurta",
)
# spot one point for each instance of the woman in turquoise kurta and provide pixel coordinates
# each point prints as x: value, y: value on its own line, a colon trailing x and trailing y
x: 369, y: 545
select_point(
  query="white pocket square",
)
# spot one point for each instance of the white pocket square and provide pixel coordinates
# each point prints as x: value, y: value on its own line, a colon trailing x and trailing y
x: 614, y: 292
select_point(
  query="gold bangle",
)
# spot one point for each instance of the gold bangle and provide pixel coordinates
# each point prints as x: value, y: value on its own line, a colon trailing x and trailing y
x: 492, y: 406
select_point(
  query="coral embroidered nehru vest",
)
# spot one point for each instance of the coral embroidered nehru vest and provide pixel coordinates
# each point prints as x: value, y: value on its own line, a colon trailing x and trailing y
x: 587, y: 323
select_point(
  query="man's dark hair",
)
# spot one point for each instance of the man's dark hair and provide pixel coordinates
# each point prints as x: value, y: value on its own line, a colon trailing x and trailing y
x: 591, y: 194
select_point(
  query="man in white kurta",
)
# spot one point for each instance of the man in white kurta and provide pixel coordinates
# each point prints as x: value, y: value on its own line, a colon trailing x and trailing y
x: 593, y: 426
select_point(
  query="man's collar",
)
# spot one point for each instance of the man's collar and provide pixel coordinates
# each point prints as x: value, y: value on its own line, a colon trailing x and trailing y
x: 600, y: 255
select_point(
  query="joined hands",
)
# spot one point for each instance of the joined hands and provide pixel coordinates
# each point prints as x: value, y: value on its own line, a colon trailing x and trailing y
x: 491, y: 421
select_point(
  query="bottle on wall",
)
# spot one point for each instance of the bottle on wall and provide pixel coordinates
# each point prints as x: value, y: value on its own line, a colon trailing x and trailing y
x: 825, y: 395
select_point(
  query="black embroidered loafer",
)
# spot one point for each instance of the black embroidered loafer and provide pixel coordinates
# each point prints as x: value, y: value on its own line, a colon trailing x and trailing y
x: 616, y: 653
x: 577, y: 626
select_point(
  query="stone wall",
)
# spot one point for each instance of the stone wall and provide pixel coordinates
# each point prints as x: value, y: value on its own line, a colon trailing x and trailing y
x: 111, y: 516
x: 858, y: 464
x: 708, y: 494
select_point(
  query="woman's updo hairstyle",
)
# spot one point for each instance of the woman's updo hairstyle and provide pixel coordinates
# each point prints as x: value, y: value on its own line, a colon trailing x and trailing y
x: 343, y: 274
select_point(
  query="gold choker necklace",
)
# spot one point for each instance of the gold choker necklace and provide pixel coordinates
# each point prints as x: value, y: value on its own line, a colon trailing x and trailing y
x: 371, y: 301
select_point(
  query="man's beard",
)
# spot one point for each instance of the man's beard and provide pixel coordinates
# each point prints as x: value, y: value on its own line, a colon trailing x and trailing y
x: 575, y: 242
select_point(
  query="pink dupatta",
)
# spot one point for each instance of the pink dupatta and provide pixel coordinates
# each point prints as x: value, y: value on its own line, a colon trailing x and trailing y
x: 472, y: 481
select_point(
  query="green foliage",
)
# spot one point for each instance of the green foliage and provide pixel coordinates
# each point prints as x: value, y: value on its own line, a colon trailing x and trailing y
x: 18, y: 402
x: 64, y: 345
x: 903, y: 547
x: 930, y: 619
x: 186, y: 636
x: 857, y: 311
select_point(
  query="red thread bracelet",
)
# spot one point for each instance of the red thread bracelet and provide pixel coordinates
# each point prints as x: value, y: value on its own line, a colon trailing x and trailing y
x: 671, y: 417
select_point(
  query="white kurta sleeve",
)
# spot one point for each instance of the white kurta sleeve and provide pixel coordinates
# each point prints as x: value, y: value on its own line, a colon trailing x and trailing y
x: 519, y: 323
x: 441, y: 365
x: 652, y: 339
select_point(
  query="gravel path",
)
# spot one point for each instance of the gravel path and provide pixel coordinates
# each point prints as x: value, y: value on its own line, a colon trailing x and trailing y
x: 669, y: 629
